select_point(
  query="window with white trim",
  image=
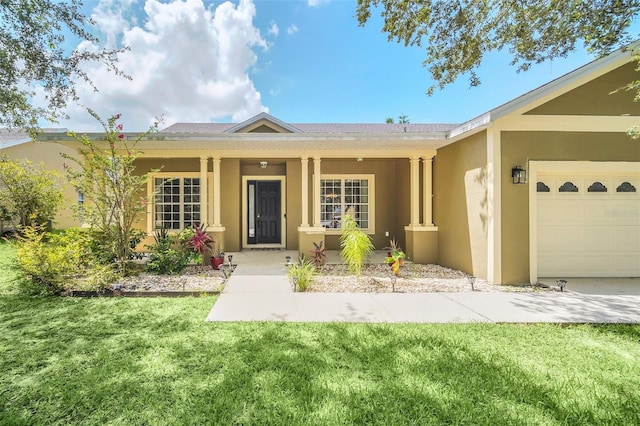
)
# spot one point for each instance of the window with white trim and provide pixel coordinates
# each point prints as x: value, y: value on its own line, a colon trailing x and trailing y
x: 177, y: 202
x: 342, y: 194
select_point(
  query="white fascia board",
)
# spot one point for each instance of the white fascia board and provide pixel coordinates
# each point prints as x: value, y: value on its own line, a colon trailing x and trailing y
x: 555, y: 87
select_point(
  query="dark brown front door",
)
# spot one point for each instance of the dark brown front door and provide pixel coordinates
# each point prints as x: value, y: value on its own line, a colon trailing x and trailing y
x: 268, y: 215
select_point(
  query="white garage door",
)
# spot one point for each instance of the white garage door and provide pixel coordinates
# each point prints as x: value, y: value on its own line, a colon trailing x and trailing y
x: 588, y: 225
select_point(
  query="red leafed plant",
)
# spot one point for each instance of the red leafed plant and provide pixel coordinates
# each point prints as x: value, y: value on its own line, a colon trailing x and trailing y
x: 318, y: 253
x: 200, y: 242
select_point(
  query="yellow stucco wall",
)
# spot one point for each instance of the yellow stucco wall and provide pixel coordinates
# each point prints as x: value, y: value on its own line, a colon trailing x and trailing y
x: 49, y: 153
x: 460, y: 204
x: 595, y: 98
x: 294, y: 205
x: 520, y: 147
x: 231, y: 210
x: 389, y: 193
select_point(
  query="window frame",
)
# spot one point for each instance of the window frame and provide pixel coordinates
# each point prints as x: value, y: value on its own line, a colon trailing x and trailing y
x: 371, y: 229
x: 151, y: 190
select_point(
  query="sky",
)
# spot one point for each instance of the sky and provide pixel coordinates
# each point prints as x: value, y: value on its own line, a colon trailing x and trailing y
x: 302, y: 61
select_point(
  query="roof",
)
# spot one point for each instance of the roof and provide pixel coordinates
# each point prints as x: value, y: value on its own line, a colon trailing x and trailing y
x: 561, y: 84
x: 13, y: 137
x: 9, y: 137
x: 319, y: 127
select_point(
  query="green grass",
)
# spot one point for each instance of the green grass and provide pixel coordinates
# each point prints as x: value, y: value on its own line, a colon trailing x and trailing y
x: 156, y: 362
x: 10, y: 279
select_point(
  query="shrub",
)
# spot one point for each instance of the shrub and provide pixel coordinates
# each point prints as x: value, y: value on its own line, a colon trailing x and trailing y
x: 199, y: 242
x: 52, y: 260
x: 98, y: 278
x: 167, y: 254
x: 304, y: 271
x: 319, y: 253
x: 106, y: 175
x: 29, y: 192
x: 356, y: 245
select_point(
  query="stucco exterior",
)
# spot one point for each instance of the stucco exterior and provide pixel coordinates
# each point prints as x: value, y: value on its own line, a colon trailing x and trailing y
x: 460, y: 204
x: 521, y: 147
x: 443, y: 191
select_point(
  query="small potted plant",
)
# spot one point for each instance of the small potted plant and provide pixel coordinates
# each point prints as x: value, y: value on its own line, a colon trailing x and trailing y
x: 395, y: 257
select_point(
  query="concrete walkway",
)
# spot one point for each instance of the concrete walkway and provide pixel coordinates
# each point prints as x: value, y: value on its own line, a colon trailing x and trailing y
x: 258, y: 290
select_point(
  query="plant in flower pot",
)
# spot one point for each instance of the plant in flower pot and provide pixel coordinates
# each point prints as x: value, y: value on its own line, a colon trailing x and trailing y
x: 199, y: 241
x: 395, y: 257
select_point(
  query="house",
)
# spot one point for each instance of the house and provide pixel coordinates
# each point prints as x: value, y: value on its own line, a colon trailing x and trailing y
x: 545, y: 185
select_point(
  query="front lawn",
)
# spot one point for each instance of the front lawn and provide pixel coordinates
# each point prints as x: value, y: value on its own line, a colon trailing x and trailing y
x: 155, y: 361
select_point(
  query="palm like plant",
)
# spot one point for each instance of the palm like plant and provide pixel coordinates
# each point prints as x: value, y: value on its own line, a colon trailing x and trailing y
x: 356, y: 245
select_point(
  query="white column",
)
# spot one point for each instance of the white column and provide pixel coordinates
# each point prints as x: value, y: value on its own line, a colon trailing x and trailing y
x: 415, y: 192
x: 216, y: 193
x: 204, y: 190
x: 305, y: 191
x: 427, y: 191
x: 316, y: 193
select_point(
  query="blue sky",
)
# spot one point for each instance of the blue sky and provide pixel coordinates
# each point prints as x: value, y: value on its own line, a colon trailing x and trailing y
x: 301, y: 61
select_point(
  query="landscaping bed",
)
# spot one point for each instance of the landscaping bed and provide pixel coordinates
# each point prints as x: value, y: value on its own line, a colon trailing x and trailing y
x: 413, y: 278
x: 195, y: 280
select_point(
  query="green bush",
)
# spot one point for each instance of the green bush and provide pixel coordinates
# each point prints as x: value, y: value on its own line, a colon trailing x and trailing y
x: 29, y: 193
x: 97, y: 278
x: 356, y: 245
x: 167, y: 256
x: 304, y: 271
x: 52, y: 260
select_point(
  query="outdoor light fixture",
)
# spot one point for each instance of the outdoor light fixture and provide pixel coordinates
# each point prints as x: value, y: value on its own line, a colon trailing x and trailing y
x: 288, y: 259
x: 562, y: 284
x: 359, y: 159
x: 263, y: 164
x: 519, y: 175
x: 230, y: 257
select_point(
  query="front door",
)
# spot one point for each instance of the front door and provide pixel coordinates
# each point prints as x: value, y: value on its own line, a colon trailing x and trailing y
x: 264, y: 213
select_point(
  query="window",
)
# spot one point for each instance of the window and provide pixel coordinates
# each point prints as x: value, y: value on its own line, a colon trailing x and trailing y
x: 339, y: 194
x: 568, y: 187
x: 542, y: 187
x: 177, y: 202
x: 597, y: 187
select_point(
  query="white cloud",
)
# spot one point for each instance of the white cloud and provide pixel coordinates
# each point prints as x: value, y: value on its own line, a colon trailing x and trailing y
x: 188, y: 62
x: 292, y: 29
x: 317, y: 3
x: 274, y: 30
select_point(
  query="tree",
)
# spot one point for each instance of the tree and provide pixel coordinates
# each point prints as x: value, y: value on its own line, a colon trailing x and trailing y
x: 402, y: 119
x: 112, y: 190
x: 457, y: 35
x: 32, y: 53
x: 29, y: 193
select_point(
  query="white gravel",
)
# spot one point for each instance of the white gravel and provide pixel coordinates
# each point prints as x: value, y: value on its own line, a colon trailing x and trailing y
x: 413, y: 278
x: 334, y: 278
x: 194, y: 278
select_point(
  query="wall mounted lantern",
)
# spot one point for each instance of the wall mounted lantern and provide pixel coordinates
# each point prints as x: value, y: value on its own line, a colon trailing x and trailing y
x: 519, y: 175
x: 263, y: 164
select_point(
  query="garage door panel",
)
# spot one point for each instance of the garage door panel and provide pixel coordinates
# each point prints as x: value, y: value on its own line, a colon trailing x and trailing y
x: 588, y: 233
x: 627, y: 236
x: 626, y: 264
